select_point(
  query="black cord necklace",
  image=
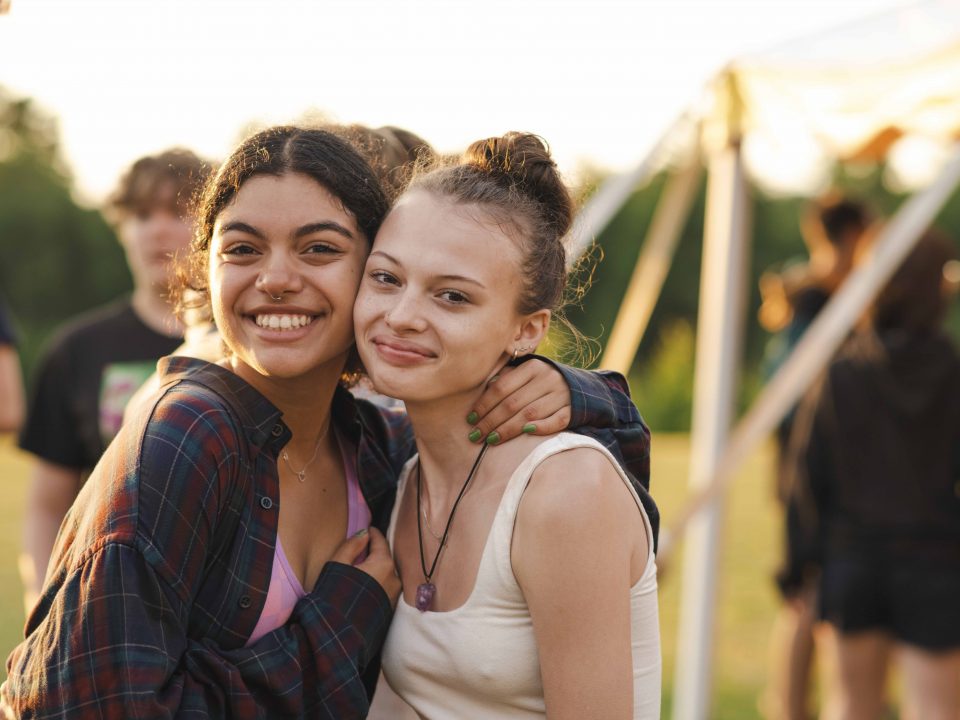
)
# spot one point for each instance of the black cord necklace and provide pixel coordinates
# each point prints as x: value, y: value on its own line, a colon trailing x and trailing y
x: 426, y: 590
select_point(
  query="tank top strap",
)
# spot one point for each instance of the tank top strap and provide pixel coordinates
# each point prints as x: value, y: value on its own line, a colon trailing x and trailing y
x: 405, y: 473
x: 496, y: 568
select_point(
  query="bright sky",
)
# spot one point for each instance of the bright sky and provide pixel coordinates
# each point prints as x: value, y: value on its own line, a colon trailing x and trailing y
x: 599, y: 79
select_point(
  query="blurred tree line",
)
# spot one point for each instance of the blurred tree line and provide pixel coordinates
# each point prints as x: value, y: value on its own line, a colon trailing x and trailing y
x: 58, y: 258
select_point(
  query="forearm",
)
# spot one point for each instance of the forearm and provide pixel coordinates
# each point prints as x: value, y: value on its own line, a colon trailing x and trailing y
x: 53, y: 488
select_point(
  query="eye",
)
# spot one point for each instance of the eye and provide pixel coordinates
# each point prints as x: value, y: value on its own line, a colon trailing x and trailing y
x: 454, y: 297
x: 239, y: 249
x: 382, y: 277
x: 321, y: 249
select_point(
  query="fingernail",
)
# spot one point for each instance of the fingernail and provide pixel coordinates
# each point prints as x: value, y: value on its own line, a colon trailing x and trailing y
x: 472, y: 418
x: 474, y: 435
x: 493, y: 438
x: 529, y: 428
x: 361, y: 531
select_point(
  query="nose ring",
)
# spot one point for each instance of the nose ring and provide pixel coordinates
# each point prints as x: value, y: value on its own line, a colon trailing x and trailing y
x: 276, y: 298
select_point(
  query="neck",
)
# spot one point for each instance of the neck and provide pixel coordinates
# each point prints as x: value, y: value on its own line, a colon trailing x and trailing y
x: 305, y: 401
x: 156, y: 312
x: 446, y: 454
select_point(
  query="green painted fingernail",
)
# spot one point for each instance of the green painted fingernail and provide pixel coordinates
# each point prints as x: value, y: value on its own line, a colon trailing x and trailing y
x: 529, y: 428
x: 361, y: 531
x: 493, y: 438
x: 474, y: 435
x: 472, y: 417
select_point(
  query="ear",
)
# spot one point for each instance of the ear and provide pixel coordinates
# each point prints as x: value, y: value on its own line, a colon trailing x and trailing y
x: 531, y: 331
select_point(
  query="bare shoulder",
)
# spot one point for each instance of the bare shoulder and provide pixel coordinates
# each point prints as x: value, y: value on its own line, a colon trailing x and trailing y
x: 577, y: 513
x: 581, y: 484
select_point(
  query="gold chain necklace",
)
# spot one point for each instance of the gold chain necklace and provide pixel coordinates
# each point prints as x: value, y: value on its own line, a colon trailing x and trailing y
x: 426, y: 519
x: 301, y: 474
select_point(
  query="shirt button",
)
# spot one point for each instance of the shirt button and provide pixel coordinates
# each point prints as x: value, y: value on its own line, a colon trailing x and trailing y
x: 266, y: 503
x: 244, y: 602
x: 277, y: 430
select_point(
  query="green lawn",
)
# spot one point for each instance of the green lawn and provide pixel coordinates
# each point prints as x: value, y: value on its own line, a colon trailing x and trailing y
x: 746, y: 596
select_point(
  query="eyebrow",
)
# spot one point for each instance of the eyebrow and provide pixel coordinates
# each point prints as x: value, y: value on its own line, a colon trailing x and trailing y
x: 302, y: 231
x: 458, y: 278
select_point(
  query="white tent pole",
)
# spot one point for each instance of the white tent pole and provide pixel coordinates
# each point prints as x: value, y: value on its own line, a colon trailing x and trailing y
x: 719, y: 334
x: 599, y: 210
x: 652, y: 265
x: 821, y: 340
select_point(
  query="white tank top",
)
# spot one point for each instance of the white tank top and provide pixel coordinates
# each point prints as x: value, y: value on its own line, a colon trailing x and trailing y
x: 480, y: 660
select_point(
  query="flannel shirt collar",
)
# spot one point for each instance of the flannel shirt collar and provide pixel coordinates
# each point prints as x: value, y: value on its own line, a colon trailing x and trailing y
x: 375, y: 474
x: 260, y: 418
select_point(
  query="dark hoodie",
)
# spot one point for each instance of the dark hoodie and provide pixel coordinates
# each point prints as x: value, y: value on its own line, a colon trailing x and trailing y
x: 881, y: 469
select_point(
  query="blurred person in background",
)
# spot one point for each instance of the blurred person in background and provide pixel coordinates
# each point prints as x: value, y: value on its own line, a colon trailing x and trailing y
x: 95, y: 362
x: 875, y: 451
x: 11, y: 378
x: 832, y: 227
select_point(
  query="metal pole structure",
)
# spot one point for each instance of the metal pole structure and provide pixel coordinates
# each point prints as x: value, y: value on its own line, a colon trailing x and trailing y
x: 719, y: 336
x: 606, y: 202
x: 653, y: 263
x: 821, y: 340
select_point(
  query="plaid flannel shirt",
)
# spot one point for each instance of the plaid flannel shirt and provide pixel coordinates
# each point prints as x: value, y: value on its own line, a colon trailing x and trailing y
x: 161, y: 567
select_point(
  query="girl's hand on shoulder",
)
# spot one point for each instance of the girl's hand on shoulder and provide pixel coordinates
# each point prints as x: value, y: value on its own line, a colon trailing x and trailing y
x: 368, y: 551
x: 529, y: 398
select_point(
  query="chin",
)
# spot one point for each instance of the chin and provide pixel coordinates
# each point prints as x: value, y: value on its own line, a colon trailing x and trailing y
x: 403, y: 385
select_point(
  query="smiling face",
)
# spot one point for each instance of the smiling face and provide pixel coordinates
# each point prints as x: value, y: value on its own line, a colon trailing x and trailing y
x: 437, y: 310
x: 285, y: 237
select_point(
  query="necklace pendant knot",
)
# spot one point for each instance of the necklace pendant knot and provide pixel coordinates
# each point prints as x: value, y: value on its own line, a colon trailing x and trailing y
x: 425, y: 593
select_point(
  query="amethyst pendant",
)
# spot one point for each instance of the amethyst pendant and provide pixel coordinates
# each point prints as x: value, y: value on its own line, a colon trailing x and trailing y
x: 425, y: 593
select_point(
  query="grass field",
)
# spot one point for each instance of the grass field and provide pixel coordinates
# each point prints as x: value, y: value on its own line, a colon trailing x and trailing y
x: 746, y: 599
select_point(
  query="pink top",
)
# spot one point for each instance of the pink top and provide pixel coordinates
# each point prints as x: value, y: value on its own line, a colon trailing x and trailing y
x: 285, y: 588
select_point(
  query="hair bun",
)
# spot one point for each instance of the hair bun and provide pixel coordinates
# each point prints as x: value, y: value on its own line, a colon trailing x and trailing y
x: 523, y: 161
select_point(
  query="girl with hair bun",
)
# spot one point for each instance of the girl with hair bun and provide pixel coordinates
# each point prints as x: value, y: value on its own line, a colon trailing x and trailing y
x: 528, y: 573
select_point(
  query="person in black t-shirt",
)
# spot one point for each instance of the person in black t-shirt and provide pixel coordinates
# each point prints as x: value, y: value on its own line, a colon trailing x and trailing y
x: 11, y: 380
x: 94, y: 363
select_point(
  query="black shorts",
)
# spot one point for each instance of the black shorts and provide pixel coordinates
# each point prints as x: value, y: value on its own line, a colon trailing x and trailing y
x: 917, y: 602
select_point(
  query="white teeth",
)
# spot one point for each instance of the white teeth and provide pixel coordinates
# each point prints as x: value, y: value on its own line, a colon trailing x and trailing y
x: 283, y: 322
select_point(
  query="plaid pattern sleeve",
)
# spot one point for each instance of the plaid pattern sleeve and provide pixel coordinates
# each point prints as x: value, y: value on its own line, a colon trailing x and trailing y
x: 159, y: 576
x: 601, y: 408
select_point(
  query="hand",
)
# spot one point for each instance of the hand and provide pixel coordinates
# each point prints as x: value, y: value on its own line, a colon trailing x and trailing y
x: 378, y: 562
x: 529, y: 398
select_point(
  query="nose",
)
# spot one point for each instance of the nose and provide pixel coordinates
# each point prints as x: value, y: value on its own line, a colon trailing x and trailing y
x: 278, y: 275
x: 405, y: 313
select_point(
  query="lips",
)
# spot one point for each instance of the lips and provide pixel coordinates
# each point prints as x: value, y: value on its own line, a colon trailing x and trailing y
x: 403, y: 351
